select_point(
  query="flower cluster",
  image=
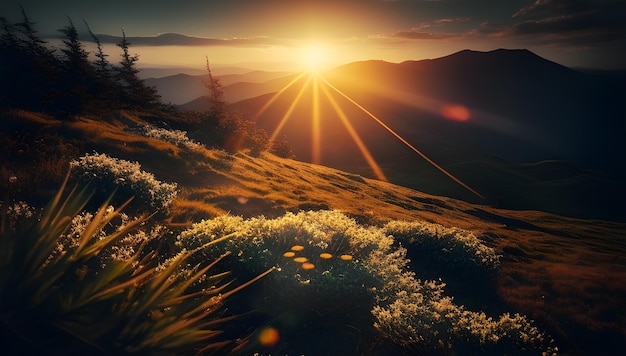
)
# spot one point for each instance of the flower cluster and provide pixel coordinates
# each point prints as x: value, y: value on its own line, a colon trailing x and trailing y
x: 123, y: 250
x: 324, y: 258
x: 118, y: 172
x: 412, y: 311
x: 176, y: 137
x: 459, y: 245
x: 19, y: 209
x: 324, y: 237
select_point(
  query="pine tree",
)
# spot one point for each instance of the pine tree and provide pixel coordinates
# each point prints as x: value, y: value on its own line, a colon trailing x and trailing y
x: 78, y: 76
x: 39, y: 69
x: 109, y: 91
x: 76, y: 57
x: 11, y: 63
x: 102, y: 64
x: 216, y: 92
x: 137, y: 93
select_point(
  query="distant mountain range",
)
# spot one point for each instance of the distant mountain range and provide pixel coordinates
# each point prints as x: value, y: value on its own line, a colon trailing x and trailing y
x: 518, y: 109
x: 182, y: 89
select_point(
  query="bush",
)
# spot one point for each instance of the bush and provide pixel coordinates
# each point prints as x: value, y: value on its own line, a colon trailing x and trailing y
x: 176, y: 137
x: 110, y: 173
x: 374, y: 285
x: 457, y: 246
x: 65, y: 289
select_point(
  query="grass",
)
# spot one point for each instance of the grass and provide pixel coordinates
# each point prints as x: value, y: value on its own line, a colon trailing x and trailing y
x: 100, y: 303
x: 572, y: 263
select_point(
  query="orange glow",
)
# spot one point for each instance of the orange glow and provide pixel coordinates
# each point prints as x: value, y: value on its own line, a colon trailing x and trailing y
x: 355, y: 137
x: 455, y: 112
x: 289, y: 254
x: 325, y: 256
x: 346, y: 257
x: 277, y: 95
x: 314, y: 57
x: 300, y: 259
x: 307, y: 266
x: 287, y: 115
x: 269, y: 336
x: 297, y: 248
x: 316, y: 149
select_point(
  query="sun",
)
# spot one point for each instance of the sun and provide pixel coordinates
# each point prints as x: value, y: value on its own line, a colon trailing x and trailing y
x: 314, y: 57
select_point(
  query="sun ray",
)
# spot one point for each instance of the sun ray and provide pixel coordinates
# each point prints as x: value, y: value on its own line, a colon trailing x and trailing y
x: 278, y: 94
x: 287, y: 115
x: 355, y: 137
x: 316, y: 149
x: 405, y: 142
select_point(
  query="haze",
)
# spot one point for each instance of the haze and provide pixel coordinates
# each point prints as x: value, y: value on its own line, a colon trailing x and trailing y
x: 279, y: 35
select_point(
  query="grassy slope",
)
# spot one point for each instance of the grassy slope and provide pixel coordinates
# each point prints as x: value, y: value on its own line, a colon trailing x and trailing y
x: 566, y: 273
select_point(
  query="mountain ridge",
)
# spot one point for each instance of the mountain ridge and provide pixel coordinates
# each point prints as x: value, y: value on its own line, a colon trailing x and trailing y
x: 539, y: 111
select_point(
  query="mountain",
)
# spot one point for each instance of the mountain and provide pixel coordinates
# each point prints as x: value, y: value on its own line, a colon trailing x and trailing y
x: 516, y: 108
x: 182, y: 88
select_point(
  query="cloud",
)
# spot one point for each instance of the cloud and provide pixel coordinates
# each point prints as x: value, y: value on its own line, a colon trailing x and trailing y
x: 175, y: 39
x: 432, y: 30
x: 420, y: 34
x: 549, y: 8
x: 568, y: 22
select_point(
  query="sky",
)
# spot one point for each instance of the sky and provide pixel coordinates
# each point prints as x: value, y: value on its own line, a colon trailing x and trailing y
x: 293, y: 34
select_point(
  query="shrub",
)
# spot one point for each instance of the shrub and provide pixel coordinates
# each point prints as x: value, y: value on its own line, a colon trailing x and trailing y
x: 375, y: 287
x: 457, y: 246
x: 59, y: 280
x: 111, y: 173
x: 176, y: 137
x: 260, y: 243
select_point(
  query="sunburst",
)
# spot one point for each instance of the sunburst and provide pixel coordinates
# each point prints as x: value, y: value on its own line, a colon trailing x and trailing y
x: 313, y: 60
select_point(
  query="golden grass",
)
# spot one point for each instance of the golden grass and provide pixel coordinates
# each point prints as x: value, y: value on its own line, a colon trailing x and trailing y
x: 105, y: 132
x: 185, y: 211
x: 569, y: 273
x: 38, y: 118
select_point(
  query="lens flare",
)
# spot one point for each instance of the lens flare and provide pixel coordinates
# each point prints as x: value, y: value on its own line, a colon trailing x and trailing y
x: 355, y: 137
x: 316, y: 148
x: 269, y: 336
x: 405, y: 142
x: 455, y: 112
x: 278, y: 94
x: 287, y: 115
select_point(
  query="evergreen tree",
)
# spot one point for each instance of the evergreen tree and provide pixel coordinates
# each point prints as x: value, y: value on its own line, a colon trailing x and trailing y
x: 136, y: 92
x: 78, y: 77
x: 11, y: 61
x: 38, y: 70
x: 102, y: 64
x: 76, y: 57
x: 33, y: 43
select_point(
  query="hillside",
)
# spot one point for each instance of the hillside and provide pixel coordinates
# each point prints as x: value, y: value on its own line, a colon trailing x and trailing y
x: 518, y: 109
x: 567, y: 274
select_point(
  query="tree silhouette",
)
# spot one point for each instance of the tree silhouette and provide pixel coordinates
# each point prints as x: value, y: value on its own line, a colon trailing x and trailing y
x: 78, y: 75
x: 10, y: 63
x: 136, y: 92
x: 31, y: 68
x: 102, y: 64
x: 216, y: 92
